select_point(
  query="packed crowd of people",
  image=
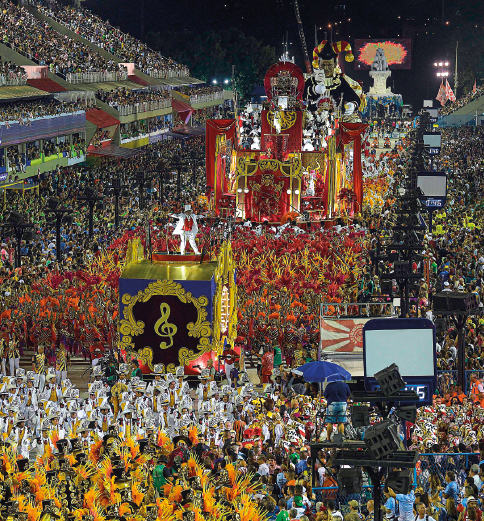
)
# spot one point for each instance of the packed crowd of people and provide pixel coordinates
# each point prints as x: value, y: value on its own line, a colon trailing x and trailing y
x: 122, y: 96
x: 195, y: 90
x: 25, y: 111
x: 103, y: 34
x: 39, y: 42
x: 452, y: 106
x: 251, y: 438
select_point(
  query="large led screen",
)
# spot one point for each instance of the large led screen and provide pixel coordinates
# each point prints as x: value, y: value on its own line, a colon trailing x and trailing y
x: 397, y: 51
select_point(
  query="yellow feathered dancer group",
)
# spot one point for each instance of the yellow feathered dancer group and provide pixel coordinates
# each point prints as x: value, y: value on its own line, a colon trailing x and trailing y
x: 113, y: 480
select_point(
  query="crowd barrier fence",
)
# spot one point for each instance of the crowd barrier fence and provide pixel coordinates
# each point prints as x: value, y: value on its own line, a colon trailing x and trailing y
x: 427, y: 464
x: 446, y: 378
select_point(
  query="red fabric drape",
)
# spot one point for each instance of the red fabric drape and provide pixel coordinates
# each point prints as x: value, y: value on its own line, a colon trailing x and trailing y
x: 267, y: 204
x: 214, y: 128
x: 184, y: 110
x: 349, y: 132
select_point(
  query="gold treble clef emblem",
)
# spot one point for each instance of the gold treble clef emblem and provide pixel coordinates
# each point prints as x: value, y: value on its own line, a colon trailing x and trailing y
x: 163, y: 328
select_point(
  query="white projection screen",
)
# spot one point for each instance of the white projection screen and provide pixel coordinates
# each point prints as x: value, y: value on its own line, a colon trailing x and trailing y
x: 432, y: 140
x: 411, y: 349
x: 433, y: 185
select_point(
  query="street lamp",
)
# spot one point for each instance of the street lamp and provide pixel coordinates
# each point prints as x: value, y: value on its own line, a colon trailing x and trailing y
x: 60, y: 213
x: 141, y: 180
x: 21, y: 229
x: 116, y: 188
x: 442, y: 69
x: 91, y: 197
x: 176, y: 163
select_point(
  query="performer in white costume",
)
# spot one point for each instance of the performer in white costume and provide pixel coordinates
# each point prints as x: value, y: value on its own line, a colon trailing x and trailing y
x: 187, y: 228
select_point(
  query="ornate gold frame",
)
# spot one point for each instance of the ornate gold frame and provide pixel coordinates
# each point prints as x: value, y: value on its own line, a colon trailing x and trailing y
x: 129, y: 327
x: 224, y: 274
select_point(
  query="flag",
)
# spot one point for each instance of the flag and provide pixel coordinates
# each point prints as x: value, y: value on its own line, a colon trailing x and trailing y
x: 342, y: 335
x: 441, y: 95
x: 474, y: 88
x: 449, y: 94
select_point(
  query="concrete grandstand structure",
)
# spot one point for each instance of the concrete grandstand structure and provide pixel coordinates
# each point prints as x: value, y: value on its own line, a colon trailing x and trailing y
x: 120, y: 106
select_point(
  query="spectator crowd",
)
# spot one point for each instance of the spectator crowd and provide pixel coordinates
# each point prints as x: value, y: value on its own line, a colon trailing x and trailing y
x: 39, y: 42
x: 103, y: 34
x: 452, y: 106
x: 123, y: 96
x: 25, y: 111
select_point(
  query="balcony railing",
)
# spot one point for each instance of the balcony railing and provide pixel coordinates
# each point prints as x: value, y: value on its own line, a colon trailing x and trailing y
x: 96, y: 77
x: 206, y: 98
x: 182, y: 73
x: 146, y: 106
x: 13, y: 79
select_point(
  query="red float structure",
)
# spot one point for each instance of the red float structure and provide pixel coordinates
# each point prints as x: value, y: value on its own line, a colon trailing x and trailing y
x: 299, y: 153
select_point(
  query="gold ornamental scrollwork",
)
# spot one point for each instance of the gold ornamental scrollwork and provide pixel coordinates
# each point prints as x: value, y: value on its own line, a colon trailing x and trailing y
x: 269, y: 164
x: 287, y: 117
x: 130, y: 327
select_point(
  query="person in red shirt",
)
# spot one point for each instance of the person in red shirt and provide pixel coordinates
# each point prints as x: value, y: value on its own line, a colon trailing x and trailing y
x: 267, y: 365
x: 229, y: 356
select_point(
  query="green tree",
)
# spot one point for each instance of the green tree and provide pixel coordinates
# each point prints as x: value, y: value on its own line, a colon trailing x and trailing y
x: 211, y: 55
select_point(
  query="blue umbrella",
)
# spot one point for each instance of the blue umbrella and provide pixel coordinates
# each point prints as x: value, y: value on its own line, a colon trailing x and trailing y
x: 321, y: 371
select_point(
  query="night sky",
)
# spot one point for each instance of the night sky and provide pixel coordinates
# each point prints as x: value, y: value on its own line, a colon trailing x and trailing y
x: 271, y: 19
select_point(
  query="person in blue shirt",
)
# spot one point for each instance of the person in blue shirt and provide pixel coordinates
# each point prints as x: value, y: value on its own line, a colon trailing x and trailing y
x: 301, y: 465
x: 405, y: 504
x: 390, y: 505
x: 336, y: 394
x: 452, y: 488
x: 281, y: 479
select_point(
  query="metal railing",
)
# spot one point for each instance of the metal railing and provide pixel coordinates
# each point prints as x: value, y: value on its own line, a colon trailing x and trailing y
x: 427, y: 464
x: 96, y: 77
x: 205, y: 98
x: 358, y: 309
x: 448, y: 377
x: 13, y: 79
x: 146, y: 106
x: 156, y: 73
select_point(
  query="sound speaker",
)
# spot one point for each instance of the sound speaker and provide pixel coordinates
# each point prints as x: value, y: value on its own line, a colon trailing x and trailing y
x: 360, y: 416
x: 400, y: 481
x: 454, y: 301
x: 382, y: 439
x: 408, y: 413
x: 350, y: 481
x: 401, y: 269
x: 389, y: 380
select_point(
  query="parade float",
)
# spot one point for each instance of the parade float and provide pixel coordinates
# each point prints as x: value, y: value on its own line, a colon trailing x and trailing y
x: 299, y: 154
x: 176, y: 310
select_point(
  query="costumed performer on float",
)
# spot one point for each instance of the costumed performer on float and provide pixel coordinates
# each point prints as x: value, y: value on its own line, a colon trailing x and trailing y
x: 187, y: 228
x: 328, y: 81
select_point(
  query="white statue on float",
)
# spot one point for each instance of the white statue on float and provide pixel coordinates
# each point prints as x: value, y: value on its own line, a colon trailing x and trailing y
x: 379, y: 62
x: 187, y: 228
x: 380, y: 74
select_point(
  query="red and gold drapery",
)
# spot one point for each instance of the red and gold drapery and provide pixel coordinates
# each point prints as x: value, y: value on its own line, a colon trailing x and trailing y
x: 215, y: 128
x: 351, y: 132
